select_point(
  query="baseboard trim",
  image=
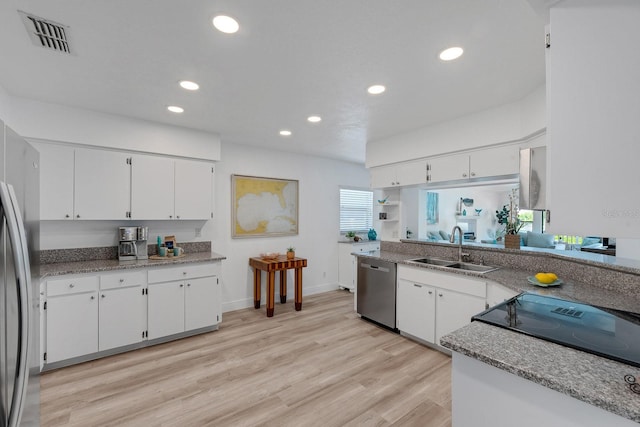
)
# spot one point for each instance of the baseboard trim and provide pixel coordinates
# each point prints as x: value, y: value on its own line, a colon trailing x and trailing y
x: 248, y: 302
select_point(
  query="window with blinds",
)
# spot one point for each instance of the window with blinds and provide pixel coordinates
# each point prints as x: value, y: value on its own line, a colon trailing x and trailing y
x: 356, y: 210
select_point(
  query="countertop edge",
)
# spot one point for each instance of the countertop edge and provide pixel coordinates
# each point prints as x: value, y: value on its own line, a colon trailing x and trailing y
x: 96, y: 266
x: 589, y: 378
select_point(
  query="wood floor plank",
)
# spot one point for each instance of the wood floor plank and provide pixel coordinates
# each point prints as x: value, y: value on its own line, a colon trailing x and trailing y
x: 320, y: 366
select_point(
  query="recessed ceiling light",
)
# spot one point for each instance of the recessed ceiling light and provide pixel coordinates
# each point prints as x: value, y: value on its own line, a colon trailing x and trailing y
x: 186, y: 84
x: 285, y: 132
x: 314, y: 119
x: 175, y: 109
x: 225, y: 24
x: 451, y: 53
x: 376, y: 89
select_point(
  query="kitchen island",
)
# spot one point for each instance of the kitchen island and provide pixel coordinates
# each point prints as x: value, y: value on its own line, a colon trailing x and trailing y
x: 502, y: 377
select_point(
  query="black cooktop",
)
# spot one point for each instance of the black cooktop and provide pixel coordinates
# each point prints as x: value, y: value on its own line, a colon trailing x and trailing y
x: 609, y: 333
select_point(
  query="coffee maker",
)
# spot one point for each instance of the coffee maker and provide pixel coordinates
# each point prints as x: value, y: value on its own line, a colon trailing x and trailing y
x: 141, y: 243
x: 127, y: 248
x: 133, y: 243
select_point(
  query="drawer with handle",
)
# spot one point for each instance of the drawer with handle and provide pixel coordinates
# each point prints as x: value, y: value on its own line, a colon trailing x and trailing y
x: 72, y: 285
x: 122, y: 280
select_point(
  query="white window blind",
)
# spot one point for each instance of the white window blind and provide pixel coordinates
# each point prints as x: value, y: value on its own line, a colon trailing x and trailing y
x: 356, y: 210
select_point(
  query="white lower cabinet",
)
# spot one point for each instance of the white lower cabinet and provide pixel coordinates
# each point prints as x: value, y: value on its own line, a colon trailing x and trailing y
x: 122, y: 306
x: 72, y: 317
x: 85, y: 315
x: 347, y: 263
x: 192, y: 302
x: 416, y: 307
x: 430, y: 304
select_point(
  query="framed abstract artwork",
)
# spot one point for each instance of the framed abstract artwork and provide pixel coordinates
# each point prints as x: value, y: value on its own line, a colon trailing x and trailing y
x: 432, y: 208
x: 263, y: 207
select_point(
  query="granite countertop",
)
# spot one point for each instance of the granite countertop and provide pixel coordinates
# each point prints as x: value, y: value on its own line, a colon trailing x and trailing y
x: 77, y: 267
x: 590, y: 378
x: 584, y: 376
x: 516, y: 280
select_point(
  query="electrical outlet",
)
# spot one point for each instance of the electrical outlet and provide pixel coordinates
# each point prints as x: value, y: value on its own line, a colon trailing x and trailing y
x: 198, y: 232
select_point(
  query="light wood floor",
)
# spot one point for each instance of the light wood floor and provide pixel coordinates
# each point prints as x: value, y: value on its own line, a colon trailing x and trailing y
x: 322, y: 366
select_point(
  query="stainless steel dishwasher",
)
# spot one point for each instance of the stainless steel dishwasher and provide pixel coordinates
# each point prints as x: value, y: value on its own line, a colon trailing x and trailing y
x: 376, y: 296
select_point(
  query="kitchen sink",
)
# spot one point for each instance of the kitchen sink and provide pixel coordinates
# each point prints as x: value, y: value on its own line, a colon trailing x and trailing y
x: 466, y: 266
x: 472, y: 267
x: 433, y: 261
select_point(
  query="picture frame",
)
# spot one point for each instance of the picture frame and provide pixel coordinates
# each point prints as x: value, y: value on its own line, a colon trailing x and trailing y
x: 263, y: 207
x: 432, y: 208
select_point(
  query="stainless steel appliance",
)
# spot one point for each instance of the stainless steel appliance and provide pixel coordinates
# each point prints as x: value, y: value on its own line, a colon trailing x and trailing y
x: 602, y: 331
x: 19, y: 281
x: 533, y: 178
x: 141, y: 243
x: 376, y: 292
x: 127, y: 248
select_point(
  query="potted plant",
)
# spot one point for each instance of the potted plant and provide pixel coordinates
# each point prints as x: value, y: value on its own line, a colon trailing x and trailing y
x: 508, y: 216
x: 350, y: 235
x: 291, y: 252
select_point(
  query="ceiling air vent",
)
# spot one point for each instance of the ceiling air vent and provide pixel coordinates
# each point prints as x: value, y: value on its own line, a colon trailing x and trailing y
x: 47, y: 34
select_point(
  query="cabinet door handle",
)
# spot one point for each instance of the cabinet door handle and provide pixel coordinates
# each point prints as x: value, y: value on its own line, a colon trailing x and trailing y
x: 188, y: 284
x: 464, y: 175
x: 473, y: 174
x: 430, y: 292
x: 417, y: 286
x: 103, y: 296
x: 92, y: 297
x: 178, y: 216
x: 181, y: 285
x: 71, y: 285
x: 184, y: 273
x: 78, y: 216
x: 121, y: 280
x: 170, y: 216
x: 66, y: 216
x: 439, y: 295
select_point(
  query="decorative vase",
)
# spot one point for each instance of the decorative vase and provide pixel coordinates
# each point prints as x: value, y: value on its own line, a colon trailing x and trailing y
x: 372, y: 235
x: 512, y: 241
x: 291, y: 255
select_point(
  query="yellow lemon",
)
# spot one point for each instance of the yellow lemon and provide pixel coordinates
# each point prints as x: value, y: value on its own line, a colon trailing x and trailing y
x: 546, y: 278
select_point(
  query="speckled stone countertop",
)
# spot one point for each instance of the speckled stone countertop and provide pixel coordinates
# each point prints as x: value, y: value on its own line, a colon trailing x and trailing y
x: 93, y: 266
x: 592, y: 379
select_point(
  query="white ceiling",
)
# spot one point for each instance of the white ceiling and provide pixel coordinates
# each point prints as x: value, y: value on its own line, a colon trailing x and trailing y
x: 290, y: 59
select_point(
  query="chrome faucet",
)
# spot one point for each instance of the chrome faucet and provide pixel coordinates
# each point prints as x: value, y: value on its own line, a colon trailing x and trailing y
x: 453, y: 238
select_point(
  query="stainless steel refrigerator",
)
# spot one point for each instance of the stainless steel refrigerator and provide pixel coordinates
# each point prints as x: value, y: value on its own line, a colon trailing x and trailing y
x: 19, y: 281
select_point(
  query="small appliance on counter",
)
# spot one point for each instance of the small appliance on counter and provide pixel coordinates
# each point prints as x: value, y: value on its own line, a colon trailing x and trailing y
x: 127, y: 247
x: 141, y: 243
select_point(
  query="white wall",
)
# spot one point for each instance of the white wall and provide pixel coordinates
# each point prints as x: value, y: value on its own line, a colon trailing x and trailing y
x: 511, y: 122
x: 319, y: 182
x: 40, y: 120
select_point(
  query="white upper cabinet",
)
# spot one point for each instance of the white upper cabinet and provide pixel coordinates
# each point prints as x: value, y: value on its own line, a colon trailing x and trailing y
x: 193, y: 190
x: 152, y: 187
x: 498, y: 161
x: 94, y: 184
x: 485, y: 163
x: 102, y: 184
x: 448, y: 168
x: 401, y: 174
x: 383, y: 176
x: 56, y: 181
x: 593, y: 107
